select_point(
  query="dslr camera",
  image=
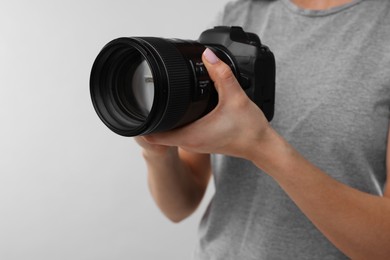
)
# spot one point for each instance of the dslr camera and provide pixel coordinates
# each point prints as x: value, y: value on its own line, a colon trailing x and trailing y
x: 142, y: 85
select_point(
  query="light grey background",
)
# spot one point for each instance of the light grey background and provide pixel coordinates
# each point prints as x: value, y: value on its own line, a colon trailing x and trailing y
x: 70, y: 188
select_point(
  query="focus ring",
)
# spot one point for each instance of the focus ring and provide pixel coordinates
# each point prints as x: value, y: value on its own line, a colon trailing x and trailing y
x: 179, y: 82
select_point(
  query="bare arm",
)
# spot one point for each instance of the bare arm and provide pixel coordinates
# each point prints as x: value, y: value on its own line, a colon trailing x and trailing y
x: 387, y: 190
x: 177, y: 179
x: 357, y: 223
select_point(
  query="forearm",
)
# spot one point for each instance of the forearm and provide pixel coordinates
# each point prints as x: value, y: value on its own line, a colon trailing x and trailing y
x: 172, y: 184
x: 356, y: 222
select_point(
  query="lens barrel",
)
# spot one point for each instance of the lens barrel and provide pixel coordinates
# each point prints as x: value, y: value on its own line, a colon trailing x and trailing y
x: 141, y: 85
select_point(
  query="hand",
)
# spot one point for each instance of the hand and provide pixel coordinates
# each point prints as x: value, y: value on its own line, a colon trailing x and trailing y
x: 235, y: 125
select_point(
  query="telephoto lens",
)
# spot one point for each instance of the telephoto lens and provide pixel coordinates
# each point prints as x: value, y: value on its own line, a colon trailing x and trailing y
x: 142, y: 85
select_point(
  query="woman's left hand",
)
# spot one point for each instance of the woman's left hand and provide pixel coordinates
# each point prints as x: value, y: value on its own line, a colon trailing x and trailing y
x: 235, y: 124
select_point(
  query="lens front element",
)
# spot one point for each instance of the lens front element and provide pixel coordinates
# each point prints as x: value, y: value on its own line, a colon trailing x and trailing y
x: 135, y: 87
x: 142, y: 88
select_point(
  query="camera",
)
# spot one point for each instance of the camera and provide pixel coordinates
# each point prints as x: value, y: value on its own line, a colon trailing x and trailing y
x: 142, y: 85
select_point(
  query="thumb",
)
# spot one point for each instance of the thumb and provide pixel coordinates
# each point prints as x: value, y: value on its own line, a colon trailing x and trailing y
x: 220, y: 73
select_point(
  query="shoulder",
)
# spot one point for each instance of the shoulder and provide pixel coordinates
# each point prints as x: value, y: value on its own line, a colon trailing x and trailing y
x: 373, y: 18
x: 378, y: 9
x: 237, y: 11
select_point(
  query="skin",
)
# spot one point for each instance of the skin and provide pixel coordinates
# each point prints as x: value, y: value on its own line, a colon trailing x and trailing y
x: 179, y: 168
x: 319, y: 5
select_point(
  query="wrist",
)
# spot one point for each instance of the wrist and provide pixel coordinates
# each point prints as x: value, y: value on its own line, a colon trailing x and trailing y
x: 272, y: 153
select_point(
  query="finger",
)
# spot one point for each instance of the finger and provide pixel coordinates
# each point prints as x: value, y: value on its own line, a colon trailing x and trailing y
x: 224, y: 80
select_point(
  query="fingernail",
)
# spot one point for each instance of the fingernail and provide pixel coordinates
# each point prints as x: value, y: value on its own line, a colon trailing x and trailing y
x: 210, y: 56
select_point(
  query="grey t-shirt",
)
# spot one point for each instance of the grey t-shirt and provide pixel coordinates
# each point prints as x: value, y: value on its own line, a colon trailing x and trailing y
x: 332, y: 105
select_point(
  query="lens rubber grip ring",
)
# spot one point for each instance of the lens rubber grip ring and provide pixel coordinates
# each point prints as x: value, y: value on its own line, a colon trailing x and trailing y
x: 179, y: 81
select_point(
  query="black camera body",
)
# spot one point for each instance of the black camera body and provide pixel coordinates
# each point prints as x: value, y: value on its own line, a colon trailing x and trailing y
x: 141, y: 85
x: 254, y: 62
